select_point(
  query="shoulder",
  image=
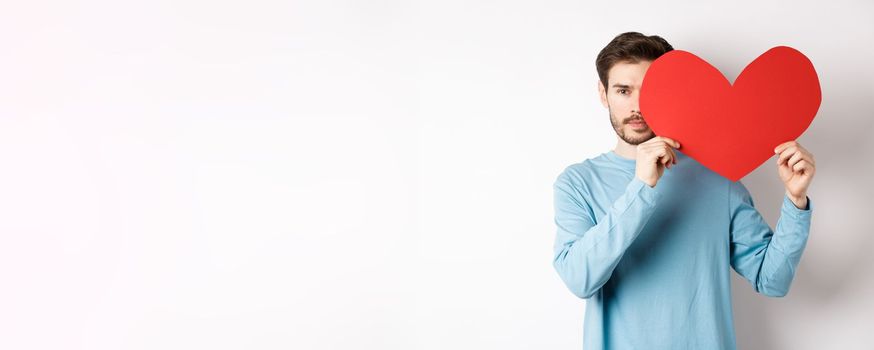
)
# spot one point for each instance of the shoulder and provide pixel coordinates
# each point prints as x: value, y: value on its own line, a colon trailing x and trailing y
x: 738, y: 193
x: 576, y: 174
x: 576, y: 179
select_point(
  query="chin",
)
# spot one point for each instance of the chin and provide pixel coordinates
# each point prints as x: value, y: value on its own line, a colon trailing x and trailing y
x: 644, y: 138
x: 642, y: 132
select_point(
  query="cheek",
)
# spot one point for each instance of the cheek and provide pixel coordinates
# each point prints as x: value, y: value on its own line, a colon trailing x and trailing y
x: 620, y: 105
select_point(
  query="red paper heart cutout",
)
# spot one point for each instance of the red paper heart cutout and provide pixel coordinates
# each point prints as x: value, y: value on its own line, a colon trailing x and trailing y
x: 730, y: 129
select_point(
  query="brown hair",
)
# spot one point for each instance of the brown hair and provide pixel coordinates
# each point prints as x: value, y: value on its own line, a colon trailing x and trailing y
x: 630, y: 47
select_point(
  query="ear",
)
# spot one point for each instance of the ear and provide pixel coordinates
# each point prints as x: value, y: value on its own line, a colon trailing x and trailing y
x: 602, y: 93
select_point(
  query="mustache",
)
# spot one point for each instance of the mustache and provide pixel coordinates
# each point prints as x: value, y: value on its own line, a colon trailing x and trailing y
x: 636, y: 117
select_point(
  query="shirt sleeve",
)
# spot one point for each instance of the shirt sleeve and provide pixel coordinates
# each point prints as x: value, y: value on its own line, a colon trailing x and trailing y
x: 766, y: 258
x: 586, y: 252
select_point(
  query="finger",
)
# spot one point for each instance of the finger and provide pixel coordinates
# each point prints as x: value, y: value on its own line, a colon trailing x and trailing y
x: 809, y: 158
x: 781, y: 147
x: 803, y: 151
x: 803, y: 167
x: 795, y: 159
x: 660, y: 151
x: 785, y: 154
x: 668, y: 158
x: 673, y: 143
x: 657, y: 141
x: 798, y: 166
x: 673, y: 156
x: 669, y: 147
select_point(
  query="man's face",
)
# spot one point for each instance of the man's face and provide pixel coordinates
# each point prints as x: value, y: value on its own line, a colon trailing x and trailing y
x: 621, y: 99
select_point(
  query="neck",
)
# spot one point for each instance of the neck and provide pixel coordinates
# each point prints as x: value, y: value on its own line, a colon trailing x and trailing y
x: 625, y: 150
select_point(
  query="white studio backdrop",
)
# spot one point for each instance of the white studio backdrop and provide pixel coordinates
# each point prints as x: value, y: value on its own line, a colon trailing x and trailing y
x: 369, y: 175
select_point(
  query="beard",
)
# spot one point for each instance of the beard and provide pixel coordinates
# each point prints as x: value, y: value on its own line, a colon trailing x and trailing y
x: 620, y: 130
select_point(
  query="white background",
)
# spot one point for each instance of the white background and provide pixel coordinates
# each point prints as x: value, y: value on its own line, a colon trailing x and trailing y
x: 371, y: 174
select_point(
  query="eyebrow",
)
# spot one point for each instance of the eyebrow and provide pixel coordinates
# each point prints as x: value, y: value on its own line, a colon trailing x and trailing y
x: 622, y: 86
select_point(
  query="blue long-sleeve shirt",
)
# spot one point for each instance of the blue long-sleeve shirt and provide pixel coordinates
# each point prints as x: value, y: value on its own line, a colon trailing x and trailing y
x: 653, y: 262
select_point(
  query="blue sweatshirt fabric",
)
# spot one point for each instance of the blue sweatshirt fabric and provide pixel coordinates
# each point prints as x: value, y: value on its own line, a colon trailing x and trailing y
x: 653, y: 263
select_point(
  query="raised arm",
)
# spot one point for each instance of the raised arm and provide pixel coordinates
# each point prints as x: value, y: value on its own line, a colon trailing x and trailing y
x: 766, y: 258
x: 586, y: 252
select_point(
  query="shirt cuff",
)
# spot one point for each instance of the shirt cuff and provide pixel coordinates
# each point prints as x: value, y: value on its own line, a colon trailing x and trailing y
x: 649, y: 194
x: 790, y: 208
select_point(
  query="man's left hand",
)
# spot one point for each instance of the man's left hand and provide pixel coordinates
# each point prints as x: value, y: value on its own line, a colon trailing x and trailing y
x: 796, y: 168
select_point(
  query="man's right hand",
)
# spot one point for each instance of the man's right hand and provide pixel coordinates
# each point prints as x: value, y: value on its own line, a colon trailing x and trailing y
x: 653, y: 156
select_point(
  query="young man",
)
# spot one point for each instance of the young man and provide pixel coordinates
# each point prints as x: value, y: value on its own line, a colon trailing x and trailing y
x: 646, y: 234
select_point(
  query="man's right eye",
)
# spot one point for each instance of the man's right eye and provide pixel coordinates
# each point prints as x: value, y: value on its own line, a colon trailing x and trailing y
x: 622, y: 91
